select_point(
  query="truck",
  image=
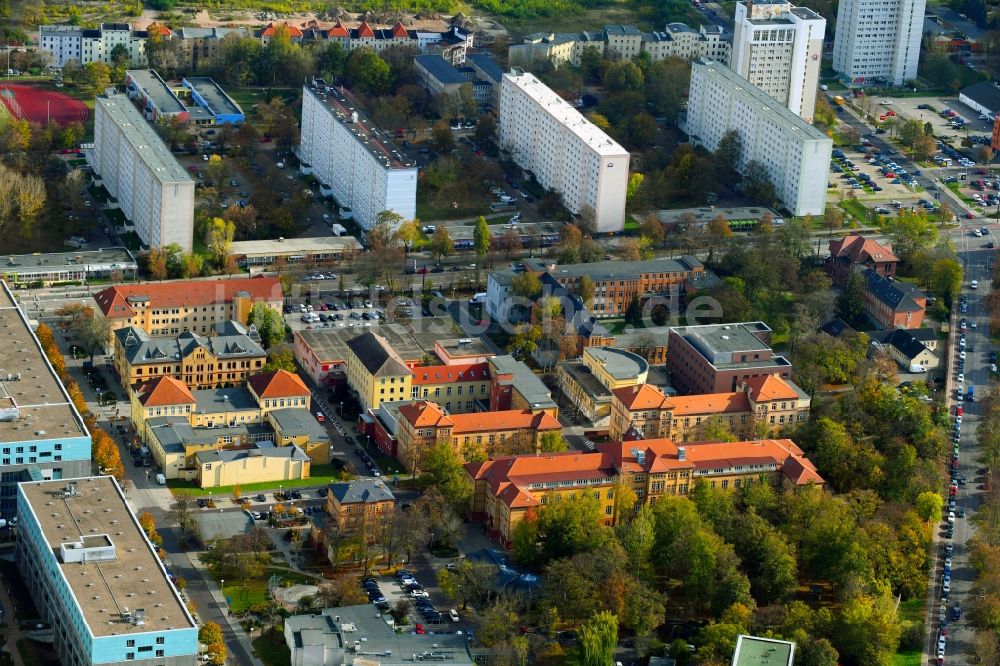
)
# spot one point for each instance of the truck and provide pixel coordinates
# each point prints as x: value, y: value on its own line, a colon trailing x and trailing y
x: 970, y: 395
x: 838, y: 100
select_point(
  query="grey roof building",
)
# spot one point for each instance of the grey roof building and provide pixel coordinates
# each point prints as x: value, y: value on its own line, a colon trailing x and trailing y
x: 22, y: 270
x: 984, y: 97
x: 377, y: 355
x: 510, y: 372
x: 358, y: 634
x: 298, y: 422
x: 229, y: 340
x: 361, y: 491
x: 232, y: 455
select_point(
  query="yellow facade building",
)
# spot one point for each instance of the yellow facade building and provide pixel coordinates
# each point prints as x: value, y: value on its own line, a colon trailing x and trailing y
x: 226, y: 357
x: 376, y: 372
x: 231, y: 467
x: 508, y: 490
x: 166, y: 309
x: 760, y: 407
x: 589, y: 382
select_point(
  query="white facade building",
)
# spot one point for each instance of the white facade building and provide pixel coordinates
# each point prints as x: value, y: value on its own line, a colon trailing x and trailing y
x: 878, y: 40
x: 795, y: 154
x: 153, y: 190
x: 62, y: 43
x: 566, y: 152
x: 779, y: 49
x: 354, y: 159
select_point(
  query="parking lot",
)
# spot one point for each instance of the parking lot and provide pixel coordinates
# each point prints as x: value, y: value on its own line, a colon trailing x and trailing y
x: 428, y: 607
x: 928, y: 109
x: 871, y: 177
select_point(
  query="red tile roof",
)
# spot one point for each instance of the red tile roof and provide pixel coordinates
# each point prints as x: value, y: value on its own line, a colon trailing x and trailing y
x: 761, y: 389
x: 399, y: 31
x: 338, y: 31
x: 114, y: 301
x: 271, y: 30
x: 446, y: 374
x: 771, y: 387
x: 859, y: 250
x: 508, y: 477
x: 278, y: 384
x: 158, y: 29
x: 424, y: 414
x: 164, y: 391
x: 365, y: 30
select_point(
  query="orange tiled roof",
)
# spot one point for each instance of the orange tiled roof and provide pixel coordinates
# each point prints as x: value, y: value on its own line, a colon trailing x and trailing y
x: 114, y: 301
x: 271, y: 30
x: 711, y: 403
x: 642, y: 396
x: 771, y: 387
x: 278, y: 384
x: 399, y: 31
x: 365, y: 30
x: 338, y: 31
x: 445, y: 374
x: 508, y: 477
x: 424, y: 414
x: 859, y: 249
x: 164, y: 391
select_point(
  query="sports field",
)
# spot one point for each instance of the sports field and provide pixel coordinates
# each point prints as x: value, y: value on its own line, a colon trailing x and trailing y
x: 40, y: 106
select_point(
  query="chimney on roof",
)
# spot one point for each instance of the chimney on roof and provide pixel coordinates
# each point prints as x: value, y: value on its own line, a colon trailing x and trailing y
x: 681, y: 453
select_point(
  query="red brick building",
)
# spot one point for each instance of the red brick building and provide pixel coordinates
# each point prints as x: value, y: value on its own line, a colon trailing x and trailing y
x: 892, y: 304
x: 856, y: 250
x: 716, y: 358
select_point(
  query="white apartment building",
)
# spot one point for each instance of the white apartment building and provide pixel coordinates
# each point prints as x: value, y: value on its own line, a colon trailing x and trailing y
x: 353, y: 158
x: 878, y: 40
x: 566, y: 152
x: 153, y: 191
x: 622, y: 42
x: 795, y: 154
x: 62, y: 43
x: 779, y: 49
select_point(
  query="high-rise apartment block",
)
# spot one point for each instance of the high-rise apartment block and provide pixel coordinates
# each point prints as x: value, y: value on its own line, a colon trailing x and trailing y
x: 795, y: 154
x: 153, y: 190
x: 354, y: 160
x: 42, y: 436
x: 779, y: 48
x: 96, y: 578
x: 878, y: 41
x: 566, y: 152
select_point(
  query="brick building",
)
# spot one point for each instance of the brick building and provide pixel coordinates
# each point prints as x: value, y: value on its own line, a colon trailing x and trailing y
x: 716, y: 358
x: 892, y: 304
x: 856, y: 250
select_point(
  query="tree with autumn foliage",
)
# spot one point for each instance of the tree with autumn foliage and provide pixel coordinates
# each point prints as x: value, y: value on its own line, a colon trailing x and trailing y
x: 148, y: 525
x: 105, y: 453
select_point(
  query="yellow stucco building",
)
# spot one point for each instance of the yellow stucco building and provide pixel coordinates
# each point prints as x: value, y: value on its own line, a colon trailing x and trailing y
x: 589, y: 382
x: 376, y: 372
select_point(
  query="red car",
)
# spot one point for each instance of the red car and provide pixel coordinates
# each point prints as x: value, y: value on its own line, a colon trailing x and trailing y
x: 192, y: 168
x: 419, y: 628
x: 958, y: 410
x: 969, y: 215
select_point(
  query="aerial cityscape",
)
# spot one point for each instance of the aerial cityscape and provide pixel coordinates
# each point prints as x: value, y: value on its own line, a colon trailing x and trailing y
x: 579, y: 332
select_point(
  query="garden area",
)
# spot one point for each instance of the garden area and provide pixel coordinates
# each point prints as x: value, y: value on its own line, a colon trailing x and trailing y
x: 320, y: 475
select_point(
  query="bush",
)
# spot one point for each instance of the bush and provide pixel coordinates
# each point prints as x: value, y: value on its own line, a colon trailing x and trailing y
x: 912, y: 637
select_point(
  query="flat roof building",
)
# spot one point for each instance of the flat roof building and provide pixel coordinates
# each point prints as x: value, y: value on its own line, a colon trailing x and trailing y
x: 42, y: 436
x: 355, y: 159
x: 155, y: 96
x: 25, y: 270
x: 716, y: 358
x: 294, y: 250
x: 754, y: 651
x: 96, y: 577
x: 209, y: 95
x: 778, y: 48
x: 795, y: 155
x: 136, y: 167
x: 567, y: 153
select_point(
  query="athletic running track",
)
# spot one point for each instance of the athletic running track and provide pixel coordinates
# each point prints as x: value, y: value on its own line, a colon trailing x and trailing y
x: 37, y: 105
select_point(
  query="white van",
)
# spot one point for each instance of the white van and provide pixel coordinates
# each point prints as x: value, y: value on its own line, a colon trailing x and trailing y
x: 478, y: 298
x: 160, y: 479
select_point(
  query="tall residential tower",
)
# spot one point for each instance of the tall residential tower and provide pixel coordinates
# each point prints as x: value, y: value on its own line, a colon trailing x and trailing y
x: 878, y: 40
x: 779, y: 49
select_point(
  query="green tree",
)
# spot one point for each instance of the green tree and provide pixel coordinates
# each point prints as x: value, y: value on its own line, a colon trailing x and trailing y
x: 910, y: 232
x: 97, y: 76
x: 368, y: 72
x: 552, y: 442
x: 946, y: 279
x: 219, y: 238
x: 441, y: 244
x: 279, y: 359
x: 633, y: 314
x: 816, y: 652
x: 486, y: 127
x: 851, y: 301
x: 585, y: 290
x: 210, y: 633
x: 481, y: 237
x: 598, y: 638
x: 331, y: 60
x: 269, y: 324
x: 729, y: 150
x: 526, y: 285
x: 442, y: 138
x: 443, y: 469
x: 868, y: 629
x: 623, y: 76
x: 566, y: 525
x: 928, y: 506
x: 757, y: 185
x: 715, y: 429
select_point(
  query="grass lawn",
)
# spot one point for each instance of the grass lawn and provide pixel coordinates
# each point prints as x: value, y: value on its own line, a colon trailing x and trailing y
x: 255, y: 591
x: 427, y: 212
x: 855, y: 208
x: 320, y: 475
x: 909, y: 658
x: 248, y: 97
x: 912, y: 610
x: 270, y: 648
x: 621, y: 12
x: 631, y: 224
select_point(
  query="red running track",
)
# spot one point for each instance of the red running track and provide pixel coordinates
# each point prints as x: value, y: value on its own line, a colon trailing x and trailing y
x: 37, y: 105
